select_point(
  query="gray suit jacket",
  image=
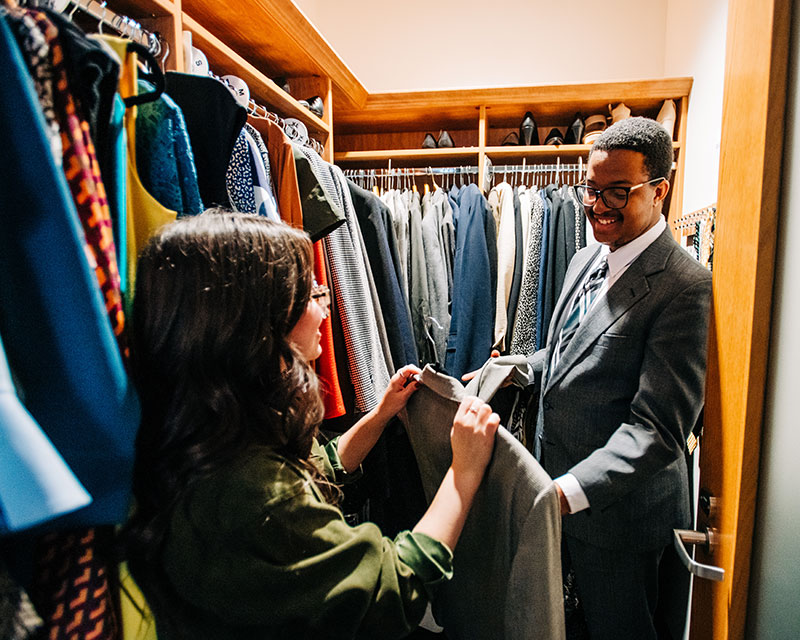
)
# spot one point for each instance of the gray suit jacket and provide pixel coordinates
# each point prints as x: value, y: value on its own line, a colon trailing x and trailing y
x: 617, y: 409
x: 507, y: 563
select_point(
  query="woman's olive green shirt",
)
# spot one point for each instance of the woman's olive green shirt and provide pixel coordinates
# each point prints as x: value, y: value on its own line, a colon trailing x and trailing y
x: 255, y: 551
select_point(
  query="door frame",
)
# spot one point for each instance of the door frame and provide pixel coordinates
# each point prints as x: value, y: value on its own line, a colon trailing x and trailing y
x: 751, y: 151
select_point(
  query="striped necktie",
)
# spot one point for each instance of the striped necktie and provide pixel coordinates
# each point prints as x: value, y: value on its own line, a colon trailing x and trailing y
x: 580, y: 307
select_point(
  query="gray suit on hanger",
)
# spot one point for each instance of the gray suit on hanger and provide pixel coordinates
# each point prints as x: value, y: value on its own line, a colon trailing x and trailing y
x: 506, y: 566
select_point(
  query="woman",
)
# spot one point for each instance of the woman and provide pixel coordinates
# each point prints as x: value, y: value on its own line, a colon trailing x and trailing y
x: 236, y: 532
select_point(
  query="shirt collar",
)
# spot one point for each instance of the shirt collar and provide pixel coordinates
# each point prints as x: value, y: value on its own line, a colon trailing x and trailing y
x: 627, y: 253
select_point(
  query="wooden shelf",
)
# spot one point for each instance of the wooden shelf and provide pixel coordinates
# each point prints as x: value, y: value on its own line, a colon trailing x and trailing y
x: 223, y: 61
x: 544, y: 151
x: 552, y: 105
x: 276, y: 37
x: 139, y: 9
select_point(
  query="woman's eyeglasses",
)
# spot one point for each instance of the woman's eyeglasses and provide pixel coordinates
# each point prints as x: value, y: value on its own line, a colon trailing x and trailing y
x: 322, y: 296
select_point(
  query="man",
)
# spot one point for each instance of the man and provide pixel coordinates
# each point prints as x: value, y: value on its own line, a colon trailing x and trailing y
x: 622, y: 385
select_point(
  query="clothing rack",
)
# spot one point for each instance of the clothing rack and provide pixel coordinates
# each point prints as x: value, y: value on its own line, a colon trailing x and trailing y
x: 403, y: 175
x: 689, y: 220
x: 290, y: 128
x: 552, y: 173
x: 125, y: 26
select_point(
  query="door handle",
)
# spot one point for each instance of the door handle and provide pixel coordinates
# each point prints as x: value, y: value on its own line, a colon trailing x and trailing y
x: 681, y: 537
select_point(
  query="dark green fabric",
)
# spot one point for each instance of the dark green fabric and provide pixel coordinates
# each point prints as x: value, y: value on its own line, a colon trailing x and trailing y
x: 256, y: 552
x: 320, y: 214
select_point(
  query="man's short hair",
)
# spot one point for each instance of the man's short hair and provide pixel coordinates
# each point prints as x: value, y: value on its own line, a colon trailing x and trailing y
x: 644, y: 135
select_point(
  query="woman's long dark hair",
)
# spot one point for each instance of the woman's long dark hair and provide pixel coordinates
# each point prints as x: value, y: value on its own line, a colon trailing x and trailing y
x: 216, y: 296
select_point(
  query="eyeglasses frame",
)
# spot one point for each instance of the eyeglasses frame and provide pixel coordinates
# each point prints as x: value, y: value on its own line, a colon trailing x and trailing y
x: 322, y: 296
x: 600, y: 193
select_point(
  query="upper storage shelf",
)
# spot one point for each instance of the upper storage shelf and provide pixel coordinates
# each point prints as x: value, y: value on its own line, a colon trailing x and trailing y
x: 277, y: 38
x: 458, y: 109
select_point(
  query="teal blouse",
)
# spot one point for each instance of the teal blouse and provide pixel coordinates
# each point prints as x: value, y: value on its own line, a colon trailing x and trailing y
x: 255, y: 551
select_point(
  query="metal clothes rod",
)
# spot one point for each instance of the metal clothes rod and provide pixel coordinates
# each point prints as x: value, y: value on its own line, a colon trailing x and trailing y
x: 527, y: 168
x: 400, y: 172
x: 125, y: 26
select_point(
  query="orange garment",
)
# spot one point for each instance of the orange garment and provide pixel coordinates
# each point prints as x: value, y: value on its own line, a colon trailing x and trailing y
x: 281, y: 162
x: 326, y: 363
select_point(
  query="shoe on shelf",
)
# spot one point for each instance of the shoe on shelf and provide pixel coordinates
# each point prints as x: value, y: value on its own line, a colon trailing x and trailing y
x: 620, y: 112
x: 666, y: 116
x: 595, y: 125
x: 429, y: 142
x: 314, y: 105
x: 575, y: 131
x: 445, y: 141
x: 512, y: 139
x: 528, y: 133
x: 283, y: 83
x: 554, y: 137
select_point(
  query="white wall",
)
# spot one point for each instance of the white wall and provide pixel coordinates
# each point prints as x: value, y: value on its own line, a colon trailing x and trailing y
x: 773, y: 611
x: 695, y: 46
x: 420, y: 44
x: 423, y: 44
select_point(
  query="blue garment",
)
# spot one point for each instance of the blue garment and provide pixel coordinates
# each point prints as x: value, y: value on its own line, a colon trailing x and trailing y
x: 116, y: 184
x: 164, y: 157
x: 239, y: 176
x: 263, y: 191
x: 36, y: 485
x: 472, y: 324
x: 58, y: 335
x: 453, y: 198
x: 541, y: 338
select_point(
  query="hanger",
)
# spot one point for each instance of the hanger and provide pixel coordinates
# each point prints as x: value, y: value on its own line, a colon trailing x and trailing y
x: 433, y: 181
x: 75, y: 5
x: 155, y: 76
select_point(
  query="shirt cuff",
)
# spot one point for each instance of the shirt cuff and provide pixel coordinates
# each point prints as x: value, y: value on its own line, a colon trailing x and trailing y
x: 329, y: 452
x: 430, y: 560
x: 573, y: 492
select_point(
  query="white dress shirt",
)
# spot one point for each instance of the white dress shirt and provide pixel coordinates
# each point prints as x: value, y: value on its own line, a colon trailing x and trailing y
x: 618, y: 263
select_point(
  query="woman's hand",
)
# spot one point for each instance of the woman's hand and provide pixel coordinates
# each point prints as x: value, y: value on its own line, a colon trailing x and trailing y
x: 401, y: 386
x: 472, y: 440
x: 472, y: 437
x: 358, y: 440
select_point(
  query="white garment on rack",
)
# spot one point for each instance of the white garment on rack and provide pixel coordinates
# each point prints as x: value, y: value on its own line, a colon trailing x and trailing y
x: 506, y: 254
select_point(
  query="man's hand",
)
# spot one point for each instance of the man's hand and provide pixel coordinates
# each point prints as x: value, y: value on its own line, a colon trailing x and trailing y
x: 469, y: 376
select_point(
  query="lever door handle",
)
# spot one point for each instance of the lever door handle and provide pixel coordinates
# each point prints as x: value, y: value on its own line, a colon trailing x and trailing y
x: 687, y: 536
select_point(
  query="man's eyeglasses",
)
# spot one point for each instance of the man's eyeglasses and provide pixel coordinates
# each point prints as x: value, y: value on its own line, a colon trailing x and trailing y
x: 322, y: 296
x: 613, y: 197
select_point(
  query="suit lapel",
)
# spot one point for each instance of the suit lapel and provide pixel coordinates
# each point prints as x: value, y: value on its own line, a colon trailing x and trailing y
x: 624, y: 294
x: 567, y: 292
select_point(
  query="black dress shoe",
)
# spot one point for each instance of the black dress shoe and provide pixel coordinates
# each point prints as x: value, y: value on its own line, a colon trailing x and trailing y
x: 314, y: 105
x: 445, y: 141
x: 429, y: 142
x: 512, y: 139
x: 528, y: 133
x: 554, y: 137
x: 575, y: 131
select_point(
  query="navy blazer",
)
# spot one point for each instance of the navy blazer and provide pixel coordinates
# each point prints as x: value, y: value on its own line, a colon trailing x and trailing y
x: 472, y: 321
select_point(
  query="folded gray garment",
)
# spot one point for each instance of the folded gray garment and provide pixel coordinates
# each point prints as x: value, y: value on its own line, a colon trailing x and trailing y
x: 507, y: 563
x: 491, y: 376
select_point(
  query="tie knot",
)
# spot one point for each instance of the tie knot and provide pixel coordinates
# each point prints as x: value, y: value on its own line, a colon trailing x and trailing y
x: 597, y: 276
